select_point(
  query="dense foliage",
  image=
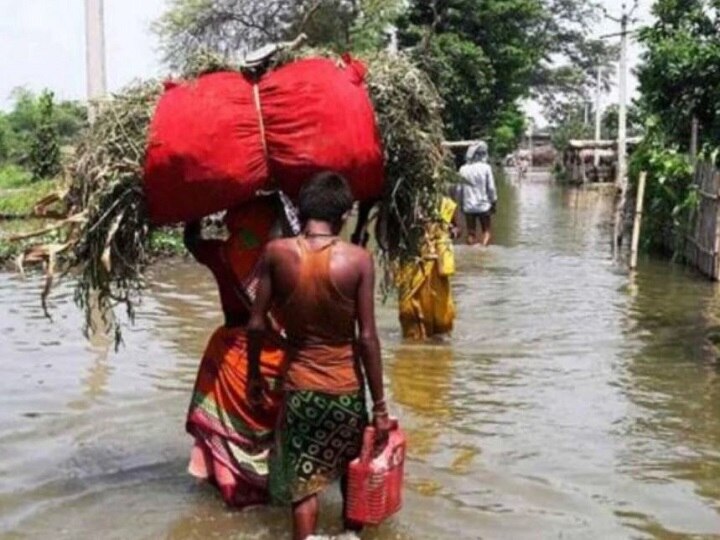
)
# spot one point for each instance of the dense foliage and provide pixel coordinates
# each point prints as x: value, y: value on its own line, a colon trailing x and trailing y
x: 670, y: 196
x: 486, y: 56
x: 33, y: 116
x: 44, y: 159
x: 680, y: 73
x: 570, y: 125
x: 679, y: 79
x: 634, y: 122
x: 231, y: 28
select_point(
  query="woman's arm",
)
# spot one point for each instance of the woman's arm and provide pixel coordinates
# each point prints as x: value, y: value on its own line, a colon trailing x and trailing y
x: 370, y: 349
x: 360, y: 236
x: 204, y: 251
x: 256, y: 328
x: 192, y: 236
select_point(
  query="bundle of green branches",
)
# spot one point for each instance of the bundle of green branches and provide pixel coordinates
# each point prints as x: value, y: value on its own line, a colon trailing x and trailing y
x: 111, y: 247
x: 419, y: 170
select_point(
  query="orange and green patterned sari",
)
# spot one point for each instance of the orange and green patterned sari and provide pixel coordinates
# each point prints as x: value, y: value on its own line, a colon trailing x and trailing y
x: 233, y: 440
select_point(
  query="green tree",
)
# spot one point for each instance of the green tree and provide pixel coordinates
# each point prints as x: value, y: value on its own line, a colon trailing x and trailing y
x: 71, y: 118
x: 374, y: 24
x: 230, y: 28
x: 464, y: 76
x: 5, y: 135
x: 21, y: 122
x: 609, y: 121
x: 570, y: 124
x: 679, y: 79
x: 486, y: 55
x: 479, y: 53
x: 509, y: 129
x: 680, y: 70
x: 18, y: 127
x: 44, y: 156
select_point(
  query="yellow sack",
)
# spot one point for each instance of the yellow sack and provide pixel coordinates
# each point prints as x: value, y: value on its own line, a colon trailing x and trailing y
x: 447, y: 210
x: 428, y: 309
x: 443, y: 243
x: 426, y: 303
x: 445, y: 255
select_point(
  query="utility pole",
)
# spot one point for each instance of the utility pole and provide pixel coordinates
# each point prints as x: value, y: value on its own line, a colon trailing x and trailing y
x: 598, y: 116
x: 531, y: 126
x: 95, y: 55
x: 621, y: 180
x: 622, y: 105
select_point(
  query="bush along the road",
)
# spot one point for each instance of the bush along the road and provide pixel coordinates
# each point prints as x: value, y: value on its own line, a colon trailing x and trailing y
x: 45, y: 146
x: 679, y: 82
x: 670, y: 195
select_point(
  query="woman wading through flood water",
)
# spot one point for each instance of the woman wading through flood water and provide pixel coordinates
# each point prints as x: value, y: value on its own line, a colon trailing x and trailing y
x: 232, y: 440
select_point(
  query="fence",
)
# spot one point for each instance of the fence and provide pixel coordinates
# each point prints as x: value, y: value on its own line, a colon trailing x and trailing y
x: 703, y: 244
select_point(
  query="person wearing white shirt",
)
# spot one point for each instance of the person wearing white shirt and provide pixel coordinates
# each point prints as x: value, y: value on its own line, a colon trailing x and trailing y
x: 478, y: 194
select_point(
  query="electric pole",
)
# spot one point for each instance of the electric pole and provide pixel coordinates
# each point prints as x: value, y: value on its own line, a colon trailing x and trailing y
x: 95, y: 55
x: 598, y: 116
x: 621, y: 181
x: 622, y: 99
x: 531, y: 127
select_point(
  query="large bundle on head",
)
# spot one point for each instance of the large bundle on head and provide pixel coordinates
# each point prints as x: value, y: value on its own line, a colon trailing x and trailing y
x: 216, y: 141
x: 112, y: 245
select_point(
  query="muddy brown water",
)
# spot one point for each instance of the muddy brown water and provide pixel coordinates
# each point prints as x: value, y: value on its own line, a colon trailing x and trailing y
x: 572, y: 401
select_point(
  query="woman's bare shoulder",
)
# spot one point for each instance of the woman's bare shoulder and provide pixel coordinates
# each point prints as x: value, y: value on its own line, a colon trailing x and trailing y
x: 355, y: 253
x: 280, y: 248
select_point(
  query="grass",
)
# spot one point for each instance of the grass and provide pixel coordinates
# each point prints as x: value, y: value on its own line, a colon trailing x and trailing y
x: 20, y: 201
x: 167, y: 241
x: 19, y: 192
x: 13, y: 177
x: 18, y: 195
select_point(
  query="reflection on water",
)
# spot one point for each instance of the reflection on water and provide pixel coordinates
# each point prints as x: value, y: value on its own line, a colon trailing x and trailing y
x: 426, y: 397
x: 573, y: 400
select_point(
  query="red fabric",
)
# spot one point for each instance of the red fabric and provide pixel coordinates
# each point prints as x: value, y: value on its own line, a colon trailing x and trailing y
x: 205, y: 150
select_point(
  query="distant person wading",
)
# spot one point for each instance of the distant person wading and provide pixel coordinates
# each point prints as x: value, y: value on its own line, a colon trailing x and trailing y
x: 478, y: 195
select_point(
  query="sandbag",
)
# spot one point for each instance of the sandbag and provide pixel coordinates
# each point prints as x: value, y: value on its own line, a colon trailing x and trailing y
x: 217, y: 140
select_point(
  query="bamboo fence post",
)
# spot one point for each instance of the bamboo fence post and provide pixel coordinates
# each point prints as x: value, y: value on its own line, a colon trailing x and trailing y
x: 618, y: 229
x: 638, y: 220
x: 715, y: 183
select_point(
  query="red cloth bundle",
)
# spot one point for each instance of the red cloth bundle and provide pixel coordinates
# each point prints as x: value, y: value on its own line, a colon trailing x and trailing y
x: 215, y: 141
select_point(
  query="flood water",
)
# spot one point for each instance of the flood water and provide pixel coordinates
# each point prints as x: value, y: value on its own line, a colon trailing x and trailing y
x: 574, y: 401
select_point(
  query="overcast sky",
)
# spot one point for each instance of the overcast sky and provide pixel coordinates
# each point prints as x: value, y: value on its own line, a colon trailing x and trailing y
x: 43, y: 44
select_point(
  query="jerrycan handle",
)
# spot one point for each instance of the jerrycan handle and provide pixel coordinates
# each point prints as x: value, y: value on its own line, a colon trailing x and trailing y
x: 367, y: 445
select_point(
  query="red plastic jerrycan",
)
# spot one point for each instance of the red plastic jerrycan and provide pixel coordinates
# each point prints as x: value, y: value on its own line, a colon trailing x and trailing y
x: 375, y: 485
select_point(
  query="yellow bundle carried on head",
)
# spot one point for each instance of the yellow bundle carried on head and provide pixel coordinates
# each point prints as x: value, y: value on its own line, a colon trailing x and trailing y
x: 426, y: 306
